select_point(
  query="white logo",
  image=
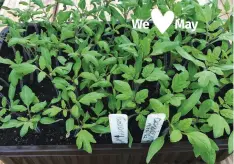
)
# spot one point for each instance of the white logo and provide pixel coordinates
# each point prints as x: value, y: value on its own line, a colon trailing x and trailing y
x: 163, y: 22
x: 160, y: 21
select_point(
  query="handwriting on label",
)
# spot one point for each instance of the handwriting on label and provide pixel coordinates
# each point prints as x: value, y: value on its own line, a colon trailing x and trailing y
x: 119, y: 128
x: 153, y: 127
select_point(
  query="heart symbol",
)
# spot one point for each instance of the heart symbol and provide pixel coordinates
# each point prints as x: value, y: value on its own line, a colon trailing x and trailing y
x: 160, y: 21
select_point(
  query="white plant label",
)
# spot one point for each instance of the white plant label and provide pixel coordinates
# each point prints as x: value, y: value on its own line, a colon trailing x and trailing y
x: 160, y: 21
x: 153, y: 127
x: 119, y: 128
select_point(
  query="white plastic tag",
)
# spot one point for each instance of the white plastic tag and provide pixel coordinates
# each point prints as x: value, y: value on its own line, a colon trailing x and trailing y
x: 153, y: 127
x: 119, y: 128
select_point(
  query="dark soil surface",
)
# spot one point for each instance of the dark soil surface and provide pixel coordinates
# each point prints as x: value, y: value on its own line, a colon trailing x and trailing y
x: 48, y: 136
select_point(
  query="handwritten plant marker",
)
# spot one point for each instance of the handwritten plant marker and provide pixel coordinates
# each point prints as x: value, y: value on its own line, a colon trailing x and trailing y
x: 160, y: 21
x: 153, y: 127
x: 119, y: 128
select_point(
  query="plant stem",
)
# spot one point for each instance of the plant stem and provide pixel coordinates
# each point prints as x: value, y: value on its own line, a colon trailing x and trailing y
x: 29, y: 113
x: 130, y: 117
x: 8, y: 102
x: 157, y: 89
x: 38, y: 130
x: 21, y: 84
x: 226, y: 12
x: 136, y: 86
x: 6, y: 83
x: 166, y: 131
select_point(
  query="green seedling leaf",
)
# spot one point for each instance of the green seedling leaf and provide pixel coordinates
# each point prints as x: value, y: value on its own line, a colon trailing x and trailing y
x: 41, y: 77
x: 42, y: 63
x: 110, y: 61
x: 82, y: 4
x: 158, y: 107
x: 122, y: 86
x: 53, y: 111
x: 16, y: 40
x: 60, y: 83
x: 185, y: 55
x: 10, y: 124
x: 185, y: 124
x: 27, y: 96
x: 226, y: 36
x: 135, y: 37
x: 47, y: 120
x: 227, y: 113
x: 88, y: 30
x: 205, y: 107
x: 90, y: 58
x: 98, y: 108
x: 229, y: 97
x: 175, y: 118
x: 84, y: 140
x: 38, y: 107
x: 6, y: 119
x: 18, y: 58
x: 180, y: 82
x: 3, y: 112
x: 104, y: 45
x: 179, y: 67
x: 141, y: 119
x: 154, y: 148
x: 66, y: 34
x: 176, y: 99
x: 202, y: 146
x: 39, y: 3
x: 18, y: 108
x: 11, y: 92
x: 35, y: 118
x: 69, y: 125
x: 46, y: 57
x: 206, y: 77
x: 148, y: 70
x: 77, y: 66
x: 75, y: 111
x: 162, y: 47
x: 89, y: 76
x: 6, y: 61
x: 101, y: 84
x: 188, y: 104
x: 145, y: 46
x: 230, y: 143
x: 141, y: 96
x: 116, y: 14
x: 4, y: 102
x: 157, y: 74
x: 63, y: 16
x: 24, y: 68
x: 99, y: 129
x: 205, y: 128
x: 24, y: 129
x: 92, y: 97
x: 175, y: 136
x: 219, y: 124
